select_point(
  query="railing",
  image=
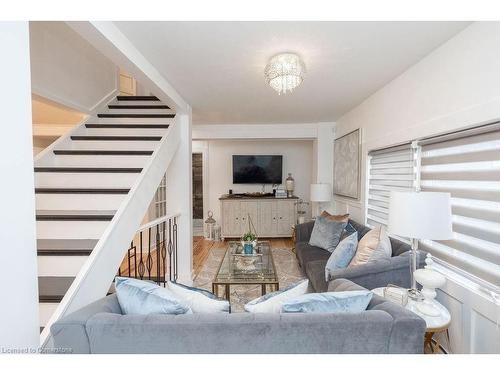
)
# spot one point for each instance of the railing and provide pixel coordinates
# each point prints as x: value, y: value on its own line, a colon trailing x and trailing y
x: 152, y: 254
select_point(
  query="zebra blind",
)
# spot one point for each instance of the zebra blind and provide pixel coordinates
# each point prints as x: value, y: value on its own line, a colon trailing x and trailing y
x: 467, y: 165
x: 390, y: 169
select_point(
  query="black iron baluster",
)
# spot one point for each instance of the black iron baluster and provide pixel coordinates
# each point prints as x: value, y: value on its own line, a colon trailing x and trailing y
x: 142, y: 268
x: 158, y: 255
x: 128, y: 253
x: 175, y: 248
x: 170, y: 249
x: 149, y: 261
x: 164, y: 256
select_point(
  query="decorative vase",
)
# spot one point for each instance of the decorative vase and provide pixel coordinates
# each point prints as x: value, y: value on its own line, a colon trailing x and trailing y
x: 290, y: 185
x: 248, y: 247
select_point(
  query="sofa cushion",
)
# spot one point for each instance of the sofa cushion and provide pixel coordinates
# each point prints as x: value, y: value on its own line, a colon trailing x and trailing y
x: 306, y: 253
x: 375, y: 245
x: 315, y: 271
x: 272, y: 302
x: 342, y: 255
x: 329, y: 302
x: 326, y: 233
x: 142, y: 297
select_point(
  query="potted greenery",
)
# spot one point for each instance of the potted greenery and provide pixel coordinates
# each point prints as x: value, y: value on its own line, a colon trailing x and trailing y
x: 249, y: 242
x: 249, y: 239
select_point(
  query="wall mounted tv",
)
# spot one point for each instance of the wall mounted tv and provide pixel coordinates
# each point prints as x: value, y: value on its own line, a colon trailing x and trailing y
x: 257, y: 169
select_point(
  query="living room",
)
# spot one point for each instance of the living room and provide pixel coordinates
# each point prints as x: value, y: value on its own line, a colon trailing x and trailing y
x: 298, y: 185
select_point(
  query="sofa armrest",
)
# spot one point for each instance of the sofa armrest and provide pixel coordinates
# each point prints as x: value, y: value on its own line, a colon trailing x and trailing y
x: 378, y: 274
x: 303, y: 231
x: 70, y: 331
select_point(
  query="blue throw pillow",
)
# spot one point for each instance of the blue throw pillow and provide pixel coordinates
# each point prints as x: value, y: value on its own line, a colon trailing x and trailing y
x: 199, y: 300
x: 343, y: 254
x: 330, y: 302
x: 348, y: 230
x: 143, y: 297
x: 326, y: 233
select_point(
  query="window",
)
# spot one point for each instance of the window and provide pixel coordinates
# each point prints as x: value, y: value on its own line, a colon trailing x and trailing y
x: 390, y: 169
x: 465, y: 164
x: 160, y: 201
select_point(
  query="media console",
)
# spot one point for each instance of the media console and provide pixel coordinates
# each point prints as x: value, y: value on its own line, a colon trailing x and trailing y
x: 271, y: 216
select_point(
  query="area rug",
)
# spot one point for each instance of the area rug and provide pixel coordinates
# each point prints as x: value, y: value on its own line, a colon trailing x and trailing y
x: 286, y: 266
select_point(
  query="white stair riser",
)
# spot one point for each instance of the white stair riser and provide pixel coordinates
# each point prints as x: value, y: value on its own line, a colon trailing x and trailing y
x: 75, y: 202
x: 45, y: 312
x: 113, y: 145
x: 85, y: 180
x: 130, y: 161
x: 142, y: 111
x: 70, y: 229
x: 136, y: 102
x: 60, y: 265
x: 133, y: 120
x: 124, y: 131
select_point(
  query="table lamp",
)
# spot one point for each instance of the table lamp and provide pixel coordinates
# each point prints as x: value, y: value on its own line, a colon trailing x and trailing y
x: 419, y: 216
x: 321, y: 193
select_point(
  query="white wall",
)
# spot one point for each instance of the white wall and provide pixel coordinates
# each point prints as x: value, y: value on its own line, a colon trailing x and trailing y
x: 456, y: 86
x: 297, y: 159
x: 19, y: 325
x: 67, y: 69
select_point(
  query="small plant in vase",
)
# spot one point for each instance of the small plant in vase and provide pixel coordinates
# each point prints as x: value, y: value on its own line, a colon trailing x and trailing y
x: 249, y: 239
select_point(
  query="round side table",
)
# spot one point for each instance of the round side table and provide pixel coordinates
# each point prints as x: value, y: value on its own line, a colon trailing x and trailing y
x: 434, y: 324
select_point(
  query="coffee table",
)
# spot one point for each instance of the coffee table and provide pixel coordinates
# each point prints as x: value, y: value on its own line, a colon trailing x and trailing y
x: 237, y: 268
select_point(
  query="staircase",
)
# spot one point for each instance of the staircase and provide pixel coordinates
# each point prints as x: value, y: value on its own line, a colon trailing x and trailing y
x: 85, y: 179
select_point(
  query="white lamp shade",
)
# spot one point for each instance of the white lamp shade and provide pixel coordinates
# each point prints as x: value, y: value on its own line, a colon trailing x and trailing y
x: 321, y: 193
x: 420, y: 215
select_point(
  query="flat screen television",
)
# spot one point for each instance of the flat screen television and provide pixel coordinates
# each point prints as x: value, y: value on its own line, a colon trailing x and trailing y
x: 257, y: 169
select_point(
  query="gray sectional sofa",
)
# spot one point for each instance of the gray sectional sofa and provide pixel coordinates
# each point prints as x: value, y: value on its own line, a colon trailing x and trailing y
x: 313, y: 260
x: 102, y: 328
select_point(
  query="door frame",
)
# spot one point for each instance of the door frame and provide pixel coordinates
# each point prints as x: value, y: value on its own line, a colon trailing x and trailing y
x: 203, y: 150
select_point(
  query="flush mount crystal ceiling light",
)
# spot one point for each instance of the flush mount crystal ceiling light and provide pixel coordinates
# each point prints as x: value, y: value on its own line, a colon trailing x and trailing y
x: 284, y: 72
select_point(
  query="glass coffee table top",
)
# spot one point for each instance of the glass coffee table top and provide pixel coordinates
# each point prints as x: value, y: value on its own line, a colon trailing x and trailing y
x: 238, y: 268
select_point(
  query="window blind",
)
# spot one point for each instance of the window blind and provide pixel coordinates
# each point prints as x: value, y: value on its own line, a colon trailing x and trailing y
x: 467, y: 164
x: 390, y: 169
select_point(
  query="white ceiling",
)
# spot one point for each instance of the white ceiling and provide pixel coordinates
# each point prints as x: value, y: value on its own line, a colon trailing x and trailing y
x: 218, y: 66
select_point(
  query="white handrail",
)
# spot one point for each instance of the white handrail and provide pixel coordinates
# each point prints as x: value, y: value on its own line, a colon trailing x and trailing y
x: 157, y: 221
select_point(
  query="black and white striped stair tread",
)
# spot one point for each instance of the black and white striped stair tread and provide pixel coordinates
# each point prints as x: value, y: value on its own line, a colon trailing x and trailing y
x: 138, y: 106
x: 51, y: 289
x: 57, y: 247
x: 127, y: 126
x: 81, y: 191
x: 126, y: 98
x: 87, y: 170
x: 73, y: 215
x: 136, y: 115
x: 114, y: 138
x: 103, y: 152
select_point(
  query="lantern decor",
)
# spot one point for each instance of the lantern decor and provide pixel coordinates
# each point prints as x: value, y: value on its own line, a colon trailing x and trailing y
x: 210, y: 226
x: 301, y: 211
x: 290, y: 185
x: 249, y: 239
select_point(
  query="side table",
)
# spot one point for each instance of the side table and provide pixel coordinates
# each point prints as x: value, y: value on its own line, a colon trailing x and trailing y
x: 434, y: 324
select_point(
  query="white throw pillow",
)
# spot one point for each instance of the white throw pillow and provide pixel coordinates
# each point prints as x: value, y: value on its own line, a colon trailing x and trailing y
x: 272, y: 302
x: 199, y: 300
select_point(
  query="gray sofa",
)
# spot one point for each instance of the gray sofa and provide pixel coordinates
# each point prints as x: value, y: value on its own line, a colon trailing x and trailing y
x: 101, y: 328
x: 313, y: 260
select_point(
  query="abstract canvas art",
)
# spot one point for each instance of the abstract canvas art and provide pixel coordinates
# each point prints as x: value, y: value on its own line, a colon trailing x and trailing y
x: 346, y: 165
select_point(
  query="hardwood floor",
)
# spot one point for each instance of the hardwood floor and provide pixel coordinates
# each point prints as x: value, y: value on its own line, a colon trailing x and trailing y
x: 201, y: 250
x: 202, y: 247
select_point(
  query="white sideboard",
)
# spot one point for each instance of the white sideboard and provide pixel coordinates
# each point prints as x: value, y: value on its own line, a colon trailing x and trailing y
x: 271, y: 217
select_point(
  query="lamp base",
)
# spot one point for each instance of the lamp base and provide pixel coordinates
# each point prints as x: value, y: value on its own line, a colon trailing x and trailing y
x: 415, y: 295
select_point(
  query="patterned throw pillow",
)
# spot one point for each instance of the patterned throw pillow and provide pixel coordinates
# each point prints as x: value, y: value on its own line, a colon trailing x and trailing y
x: 326, y: 233
x: 199, y: 300
x: 354, y: 301
x: 343, y: 218
x: 271, y: 302
x: 375, y: 245
x: 143, y: 298
x: 342, y: 255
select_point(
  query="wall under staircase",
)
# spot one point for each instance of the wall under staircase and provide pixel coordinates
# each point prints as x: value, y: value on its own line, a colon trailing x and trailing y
x: 93, y: 187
